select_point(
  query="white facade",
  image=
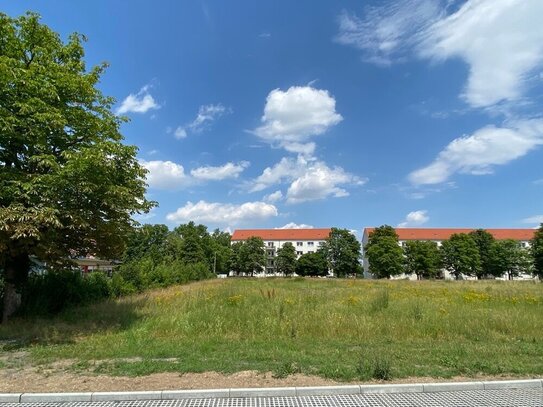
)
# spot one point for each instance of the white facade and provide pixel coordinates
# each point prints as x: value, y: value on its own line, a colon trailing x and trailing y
x: 524, y: 241
x: 304, y: 241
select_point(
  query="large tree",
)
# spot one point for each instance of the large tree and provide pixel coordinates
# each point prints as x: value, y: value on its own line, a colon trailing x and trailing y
x: 384, y: 254
x: 68, y: 185
x: 312, y: 264
x: 537, y: 252
x: 509, y: 258
x: 460, y: 255
x: 422, y: 258
x: 342, y: 251
x: 285, y: 262
x: 486, y: 245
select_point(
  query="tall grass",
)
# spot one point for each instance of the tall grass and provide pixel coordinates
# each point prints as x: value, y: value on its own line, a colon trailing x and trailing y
x: 321, y: 327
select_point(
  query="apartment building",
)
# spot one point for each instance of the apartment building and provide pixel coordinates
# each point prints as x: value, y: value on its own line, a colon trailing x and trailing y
x: 438, y: 235
x: 303, y: 240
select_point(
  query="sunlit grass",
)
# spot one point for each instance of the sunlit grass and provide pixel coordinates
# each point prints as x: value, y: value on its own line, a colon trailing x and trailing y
x: 342, y: 329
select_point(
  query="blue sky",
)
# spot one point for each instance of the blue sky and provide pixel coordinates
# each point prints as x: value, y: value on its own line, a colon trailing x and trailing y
x: 325, y: 113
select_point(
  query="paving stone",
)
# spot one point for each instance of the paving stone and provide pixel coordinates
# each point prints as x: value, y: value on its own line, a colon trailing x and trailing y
x: 264, y: 392
x: 391, y: 388
x: 327, y: 390
x: 10, y: 397
x: 192, y: 394
x: 54, y: 397
x: 120, y: 396
x: 461, y: 386
x: 512, y: 384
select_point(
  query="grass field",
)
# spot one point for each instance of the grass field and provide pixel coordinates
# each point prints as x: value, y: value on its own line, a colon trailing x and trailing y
x: 340, y: 329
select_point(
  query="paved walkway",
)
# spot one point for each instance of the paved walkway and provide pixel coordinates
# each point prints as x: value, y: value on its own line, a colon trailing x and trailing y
x: 511, y: 393
x: 528, y: 397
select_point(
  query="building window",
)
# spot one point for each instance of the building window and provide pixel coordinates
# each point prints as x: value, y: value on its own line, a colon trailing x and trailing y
x: 270, y: 244
x: 299, y: 244
x: 321, y: 243
x: 310, y: 243
x: 271, y: 253
x: 299, y: 253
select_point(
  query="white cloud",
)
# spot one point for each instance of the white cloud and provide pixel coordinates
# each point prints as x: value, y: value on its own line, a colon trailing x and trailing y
x: 501, y: 40
x: 286, y: 169
x: 478, y: 153
x: 141, y: 102
x: 293, y: 116
x: 228, y: 170
x: 537, y: 219
x: 165, y: 174
x: 207, y: 114
x: 386, y: 31
x: 274, y: 196
x: 415, y: 218
x: 293, y: 225
x: 223, y: 213
x: 320, y: 181
x: 309, y: 179
x: 180, y: 133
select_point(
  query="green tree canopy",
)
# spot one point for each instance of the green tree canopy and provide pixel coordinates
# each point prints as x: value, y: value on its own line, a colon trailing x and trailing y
x: 285, y: 262
x: 485, y: 243
x: 342, y: 251
x: 537, y: 252
x: 248, y: 256
x: 509, y: 258
x: 460, y: 255
x: 422, y: 258
x: 312, y: 264
x: 384, y: 253
x: 68, y: 185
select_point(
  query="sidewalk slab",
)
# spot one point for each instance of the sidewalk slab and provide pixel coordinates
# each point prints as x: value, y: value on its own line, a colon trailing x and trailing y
x: 513, y: 384
x: 10, y: 397
x: 195, y: 394
x: 126, y: 395
x: 327, y: 390
x: 461, y: 386
x: 391, y: 388
x: 54, y: 397
x: 264, y: 392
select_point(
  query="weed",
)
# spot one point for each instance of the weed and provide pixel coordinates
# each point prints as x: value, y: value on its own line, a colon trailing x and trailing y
x: 285, y: 370
x: 378, y: 367
x: 380, y: 302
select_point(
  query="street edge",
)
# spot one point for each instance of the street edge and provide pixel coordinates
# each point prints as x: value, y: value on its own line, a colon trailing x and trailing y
x: 269, y: 392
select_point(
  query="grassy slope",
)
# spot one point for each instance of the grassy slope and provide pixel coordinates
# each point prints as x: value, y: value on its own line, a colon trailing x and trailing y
x: 341, y: 329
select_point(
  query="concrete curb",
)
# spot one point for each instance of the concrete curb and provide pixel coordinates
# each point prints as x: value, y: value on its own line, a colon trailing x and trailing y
x: 268, y: 392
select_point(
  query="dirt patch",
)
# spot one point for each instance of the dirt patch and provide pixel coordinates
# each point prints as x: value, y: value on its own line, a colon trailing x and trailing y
x: 13, y: 380
x: 33, y: 381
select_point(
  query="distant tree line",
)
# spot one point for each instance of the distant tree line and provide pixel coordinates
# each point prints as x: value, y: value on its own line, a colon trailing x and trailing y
x: 340, y: 254
x: 475, y: 254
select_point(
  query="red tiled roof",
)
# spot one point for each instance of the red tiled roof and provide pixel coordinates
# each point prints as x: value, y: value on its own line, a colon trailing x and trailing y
x: 443, y: 234
x: 282, y: 234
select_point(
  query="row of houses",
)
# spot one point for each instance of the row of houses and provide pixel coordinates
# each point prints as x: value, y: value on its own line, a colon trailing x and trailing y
x: 309, y: 240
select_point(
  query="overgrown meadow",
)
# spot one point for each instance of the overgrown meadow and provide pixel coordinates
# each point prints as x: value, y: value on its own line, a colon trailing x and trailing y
x: 341, y: 329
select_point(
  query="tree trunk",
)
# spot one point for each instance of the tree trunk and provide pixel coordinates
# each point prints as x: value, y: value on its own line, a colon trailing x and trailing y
x: 15, y: 275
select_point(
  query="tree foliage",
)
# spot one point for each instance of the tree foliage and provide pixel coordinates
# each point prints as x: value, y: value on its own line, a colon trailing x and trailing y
x: 285, y: 262
x: 460, y: 255
x: 422, y: 258
x: 384, y: 254
x: 68, y: 185
x: 312, y: 264
x: 509, y: 258
x: 248, y: 257
x: 537, y: 252
x: 342, y: 251
x: 486, y: 246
